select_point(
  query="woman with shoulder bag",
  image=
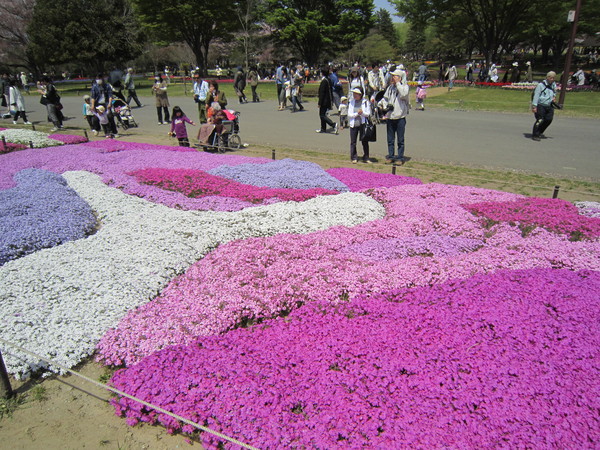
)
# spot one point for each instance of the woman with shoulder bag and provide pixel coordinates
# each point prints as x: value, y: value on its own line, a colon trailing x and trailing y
x: 359, y: 110
x: 51, y: 99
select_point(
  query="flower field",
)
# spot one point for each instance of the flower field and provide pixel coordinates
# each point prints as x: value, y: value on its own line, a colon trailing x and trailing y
x: 290, y: 306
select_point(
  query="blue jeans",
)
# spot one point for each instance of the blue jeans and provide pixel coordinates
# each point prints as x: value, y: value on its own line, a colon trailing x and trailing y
x: 395, y: 129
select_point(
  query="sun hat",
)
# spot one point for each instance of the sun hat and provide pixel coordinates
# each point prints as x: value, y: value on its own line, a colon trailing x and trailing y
x: 357, y: 91
x: 343, y: 98
x: 354, y: 69
x: 86, y: 97
x: 400, y: 66
x: 551, y: 74
x: 398, y: 72
x: 100, y: 109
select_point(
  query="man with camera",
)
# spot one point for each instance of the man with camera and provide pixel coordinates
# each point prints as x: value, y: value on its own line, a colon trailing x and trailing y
x: 542, y: 105
x: 394, y: 105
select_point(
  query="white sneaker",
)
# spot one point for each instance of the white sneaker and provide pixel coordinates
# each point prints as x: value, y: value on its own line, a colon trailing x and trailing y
x: 54, y: 129
x: 27, y: 123
x: 160, y: 123
x: 95, y: 132
x: 115, y: 135
x: 14, y: 122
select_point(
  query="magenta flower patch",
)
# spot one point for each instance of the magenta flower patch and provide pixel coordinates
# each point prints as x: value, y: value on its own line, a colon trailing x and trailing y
x: 11, y: 147
x: 503, y: 360
x: 196, y: 183
x: 358, y: 180
x: 68, y: 139
x: 555, y: 215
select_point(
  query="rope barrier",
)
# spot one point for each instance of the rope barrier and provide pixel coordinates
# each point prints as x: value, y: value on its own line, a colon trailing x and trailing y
x: 131, y: 397
x: 429, y: 172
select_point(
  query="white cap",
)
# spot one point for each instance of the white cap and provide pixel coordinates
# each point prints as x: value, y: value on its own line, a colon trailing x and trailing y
x: 357, y: 91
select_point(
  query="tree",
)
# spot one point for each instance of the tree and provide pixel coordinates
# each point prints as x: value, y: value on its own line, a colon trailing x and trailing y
x: 492, y: 23
x: 16, y: 15
x: 89, y: 32
x: 373, y: 48
x: 318, y: 28
x: 386, y: 28
x: 195, y: 22
x: 248, y: 13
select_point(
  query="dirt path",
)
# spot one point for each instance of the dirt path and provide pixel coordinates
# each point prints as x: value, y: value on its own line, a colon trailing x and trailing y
x: 76, y: 415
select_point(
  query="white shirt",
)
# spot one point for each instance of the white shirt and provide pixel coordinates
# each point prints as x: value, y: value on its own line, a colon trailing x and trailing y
x: 354, y: 119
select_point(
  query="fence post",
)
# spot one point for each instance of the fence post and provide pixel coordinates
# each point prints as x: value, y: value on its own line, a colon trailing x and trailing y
x: 3, y: 143
x: 33, y: 126
x: 30, y: 144
x: 5, y: 388
x: 273, y: 154
x: 555, y: 193
x: 86, y: 135
x: 393, y: 170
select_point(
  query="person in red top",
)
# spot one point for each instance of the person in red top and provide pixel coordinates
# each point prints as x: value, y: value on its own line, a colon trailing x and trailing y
x: 178, y: 126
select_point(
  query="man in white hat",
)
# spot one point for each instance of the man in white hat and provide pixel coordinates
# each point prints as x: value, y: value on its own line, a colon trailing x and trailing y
x: 395, y: 101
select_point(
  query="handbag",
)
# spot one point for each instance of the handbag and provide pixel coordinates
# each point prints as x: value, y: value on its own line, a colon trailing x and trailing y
x: 368, y: 131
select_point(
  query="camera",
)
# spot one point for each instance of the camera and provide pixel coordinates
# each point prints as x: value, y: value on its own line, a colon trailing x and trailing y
x: 555, y: 105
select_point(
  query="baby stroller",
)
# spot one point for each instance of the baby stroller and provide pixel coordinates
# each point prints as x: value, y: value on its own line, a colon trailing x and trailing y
x: 123, y: 114
x: 222, y: 137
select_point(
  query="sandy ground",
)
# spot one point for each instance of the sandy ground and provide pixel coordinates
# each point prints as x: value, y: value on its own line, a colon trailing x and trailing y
x: 76, y: 415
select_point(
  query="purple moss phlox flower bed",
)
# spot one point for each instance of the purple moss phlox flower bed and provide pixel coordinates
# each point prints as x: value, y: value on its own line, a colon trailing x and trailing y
x: 503, y: 360
x: 555, y: 215
x: 285, y: 173
x: 196, y: 183
x: 41, y: 212
x: 113, y: 145
x: 358, y: 180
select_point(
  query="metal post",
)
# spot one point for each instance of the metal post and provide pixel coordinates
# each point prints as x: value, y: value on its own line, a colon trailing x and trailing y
x: 86, y: 135
x: 393, y: 170
x: 33, y: 127
x: 555, y: 194
x: 30, y: 144
x: 273, y: 154
x: 3, y: 142
x: 565, y: 76
x: 5, y: 388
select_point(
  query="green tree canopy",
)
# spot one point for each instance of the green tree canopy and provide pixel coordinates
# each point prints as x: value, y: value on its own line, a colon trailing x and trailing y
x: 195, y: 22
x: 89, y: 32
x: 385, y: 27
x: 319, y: 28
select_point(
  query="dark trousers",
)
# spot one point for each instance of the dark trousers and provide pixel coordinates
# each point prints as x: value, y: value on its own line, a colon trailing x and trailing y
x: 254, y: 94
x: 90, y: 121
x: 395, y: 130
x: 543, y: 119
x: 133, y: 95
x: 296, y: 104
x: 159, y: 111
x: 183, y: 142
x: 325, y: 120
x: 354, y: 133
x: 20, y: 114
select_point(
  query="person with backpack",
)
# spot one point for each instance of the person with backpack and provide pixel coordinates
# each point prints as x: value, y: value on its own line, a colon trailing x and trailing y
x: 541, y: 105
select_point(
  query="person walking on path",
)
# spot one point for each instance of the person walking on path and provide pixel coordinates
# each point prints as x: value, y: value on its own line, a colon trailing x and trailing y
x: 253, y: 76
x: 296, y: 83
x: 159, y: 89
x: 239, y: 84
x: 102, y: 95
x: 396, y: 96
x: 336, y: 85
x: 51, y: 100
x: 541, y: 105
x: 16, y: 102
x: 529, y: 74
x: 359, y: 110
x: 130, y: 86
x: 201, y: 89
x: 325, y: 102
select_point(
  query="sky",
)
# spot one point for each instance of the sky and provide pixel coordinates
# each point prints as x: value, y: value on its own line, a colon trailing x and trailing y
x: 386, y: 5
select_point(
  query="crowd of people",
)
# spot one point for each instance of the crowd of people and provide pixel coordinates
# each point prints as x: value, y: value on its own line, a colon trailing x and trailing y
x: 371, y: 94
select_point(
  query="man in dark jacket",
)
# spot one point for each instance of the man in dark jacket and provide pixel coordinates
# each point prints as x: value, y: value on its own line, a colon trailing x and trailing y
x: 325, y: 102
x: 239, y: 84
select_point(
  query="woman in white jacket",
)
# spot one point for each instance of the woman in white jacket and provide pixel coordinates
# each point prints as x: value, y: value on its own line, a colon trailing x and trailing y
x: 17, y: 104
x: 395, y: 99
x: 359, y: 110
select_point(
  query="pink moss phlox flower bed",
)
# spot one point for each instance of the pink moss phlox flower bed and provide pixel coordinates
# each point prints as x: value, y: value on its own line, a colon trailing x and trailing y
x: 426, y: 238
x: 113, y: 145
x: 358, y: 180
x: 507, y: 360
x: 196, y: 183
x: 68, y: 138
x: 555, y: 215
x: 11, y: 147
